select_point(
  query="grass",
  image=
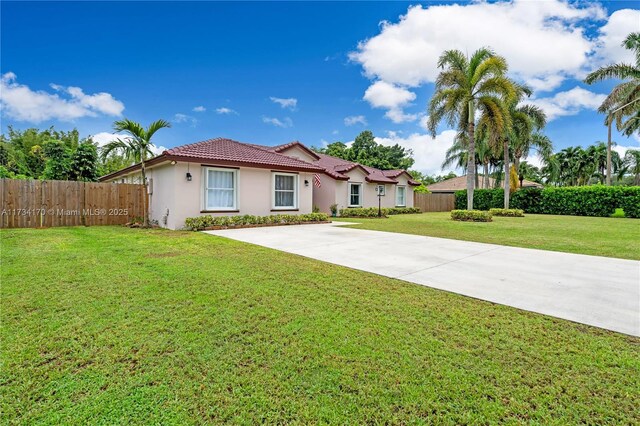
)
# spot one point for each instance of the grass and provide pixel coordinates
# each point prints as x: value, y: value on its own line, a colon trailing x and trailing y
x: 109, y: 325
x: 598, y: 236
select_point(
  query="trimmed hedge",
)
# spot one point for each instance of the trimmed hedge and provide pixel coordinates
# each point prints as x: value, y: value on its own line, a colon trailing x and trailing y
x: 507, y: 212
x: 203, y: 222
x: 483, y: 199
x: 471, y: 215
x: 595, y: 200
x: 373, y: 211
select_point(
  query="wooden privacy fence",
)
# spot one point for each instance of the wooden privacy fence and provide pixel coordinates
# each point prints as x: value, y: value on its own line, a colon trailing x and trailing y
x: 45, y: 203
x: 434, y: 202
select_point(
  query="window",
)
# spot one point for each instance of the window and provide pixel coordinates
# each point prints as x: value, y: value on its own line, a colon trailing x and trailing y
x: 220, y: 189
x: 285, y: 191
x: 401, y: 196
x: 355, y: 194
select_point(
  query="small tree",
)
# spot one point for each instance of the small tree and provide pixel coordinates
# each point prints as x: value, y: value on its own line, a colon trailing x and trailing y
x: 84, y: 164
x: 136, y: 146
x: 57, y: 164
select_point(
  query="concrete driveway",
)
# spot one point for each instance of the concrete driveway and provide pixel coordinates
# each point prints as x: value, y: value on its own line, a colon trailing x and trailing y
x: 598, y: 291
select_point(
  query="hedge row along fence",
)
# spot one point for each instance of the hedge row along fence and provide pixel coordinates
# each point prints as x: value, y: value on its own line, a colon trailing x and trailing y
x: 595, y: 200
x: 373, y: 211
x: 200, y: 223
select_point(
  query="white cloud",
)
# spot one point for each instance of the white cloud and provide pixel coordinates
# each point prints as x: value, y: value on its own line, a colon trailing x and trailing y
x: 542, y: 41
x: 19, y: 102
x: 399, y: 116
x: 335, y: 132
x: 183, y: 118
x: 389, y: 96
x: 355, y: 119
x: 104, y: 138
x: 570, y: 102
x: 286, y: 122
x: 289, y: 103
x: 199, y: 108
x: 424, y: 122
x: 385, y: 95
x: 620, y: 24
x: 224, y: 110
x: 428, y: 152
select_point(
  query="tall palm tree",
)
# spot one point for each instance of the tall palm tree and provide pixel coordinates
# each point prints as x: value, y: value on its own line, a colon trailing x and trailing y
x: 538, y: 141
x: 525, y: 120
x: 632, y: 163
x: 135, y: 146
x: 623, y: 103
x: 464, y: 86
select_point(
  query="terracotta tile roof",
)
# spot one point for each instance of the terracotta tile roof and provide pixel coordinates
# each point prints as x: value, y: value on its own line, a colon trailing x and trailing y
x: 460, y: 183
x: 228, y: 150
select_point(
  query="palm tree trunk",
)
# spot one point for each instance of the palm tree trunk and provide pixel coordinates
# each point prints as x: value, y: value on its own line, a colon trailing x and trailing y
x: 608, y: 178
x: 471, y: 162
x: 145, y: 213
x: 507, y: 175
x: 485, y: 178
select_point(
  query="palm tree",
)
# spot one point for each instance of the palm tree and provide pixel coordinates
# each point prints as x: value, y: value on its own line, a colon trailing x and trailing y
x: 632, y: 163
x: 467, y: 85
x: 136, y: 147
x: 537, y: 141
x: 623, y: 103
x: 526, y: 119
x: 528, y: 171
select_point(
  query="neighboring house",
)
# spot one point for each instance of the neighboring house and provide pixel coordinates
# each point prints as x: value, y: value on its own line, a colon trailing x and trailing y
x: 224, y: 177
x: 460, y: 183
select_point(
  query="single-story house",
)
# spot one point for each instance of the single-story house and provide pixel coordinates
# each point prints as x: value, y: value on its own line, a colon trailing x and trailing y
x: 460, y: 183
x: 224, y: 177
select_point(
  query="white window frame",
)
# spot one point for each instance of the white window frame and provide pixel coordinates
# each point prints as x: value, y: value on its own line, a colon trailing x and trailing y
x: 404, y: 188
x: 351, y: 184
x: 295, y: 191
x: 205, y: 189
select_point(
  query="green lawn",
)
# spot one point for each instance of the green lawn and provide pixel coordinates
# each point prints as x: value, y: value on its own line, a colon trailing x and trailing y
x: 598, y: 236
x: 113, y: 325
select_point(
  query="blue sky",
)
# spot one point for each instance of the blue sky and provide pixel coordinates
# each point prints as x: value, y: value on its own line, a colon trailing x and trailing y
x: 270, y: 73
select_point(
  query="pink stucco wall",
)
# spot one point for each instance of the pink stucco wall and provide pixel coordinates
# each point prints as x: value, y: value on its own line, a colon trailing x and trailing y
x: 174, y: 198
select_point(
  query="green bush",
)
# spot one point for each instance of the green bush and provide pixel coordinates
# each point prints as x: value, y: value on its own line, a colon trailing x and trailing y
x: 471, y: 215
x: 373, y: 211
x: 631, y: 201
x: 594, y: 200
x: 203, y: 222
x: 527, y: 199
x: 507, y: 212
x: 483, y: 199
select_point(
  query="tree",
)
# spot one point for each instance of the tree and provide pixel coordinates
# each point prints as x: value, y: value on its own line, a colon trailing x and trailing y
x: 623, y: 103
x: 632, y: 163
x: 467, y: 85
x: 366, y: 151
x: 84, y: 163
x: 136, y: 146
x: 58, y: 160
x: 335, y: 149
x: 529, y: 172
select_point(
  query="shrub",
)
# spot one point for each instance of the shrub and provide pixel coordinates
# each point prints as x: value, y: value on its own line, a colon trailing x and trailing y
x: 471, y: 215
x: 630, y: 201
x: 527, y: 199
x: 483, y: 199
x: 203, y: 222
x: 373, y: 211
x: 507, y: 212
x: 595, y: 200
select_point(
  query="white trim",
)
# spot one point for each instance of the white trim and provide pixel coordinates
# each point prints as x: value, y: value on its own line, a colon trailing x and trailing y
x: 205, y: 192
x: 361, y: 196
x: 296, y: 189
x: 405, y: 195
